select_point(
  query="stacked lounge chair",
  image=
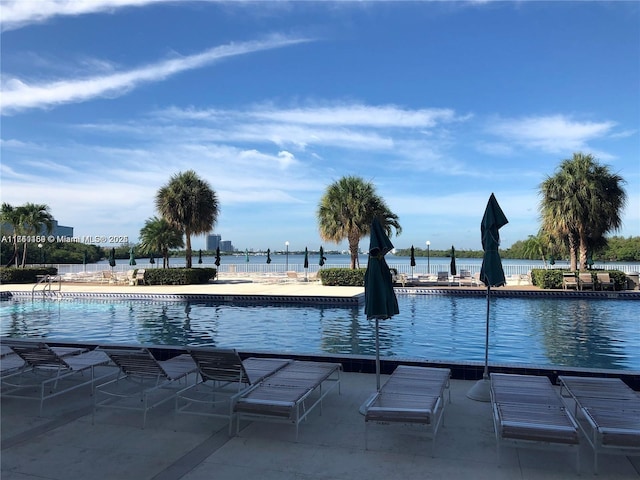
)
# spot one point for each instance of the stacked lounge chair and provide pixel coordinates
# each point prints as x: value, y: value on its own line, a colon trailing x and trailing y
x: 223, y: 375
x: 289, y: 395
x: 411, y: 395
x: 608, y: 413
x: 528, y: 412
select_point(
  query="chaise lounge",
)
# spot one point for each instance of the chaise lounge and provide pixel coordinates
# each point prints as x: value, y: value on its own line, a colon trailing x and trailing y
x: 47, y: 372
x: 411, y: 395
x: 143, y: 382
x: 223, y: 374
x: 529, y: 413
x: 289, y: 395
x: 607, y: 412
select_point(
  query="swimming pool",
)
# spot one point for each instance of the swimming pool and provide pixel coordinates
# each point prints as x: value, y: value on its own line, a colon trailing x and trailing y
x: 588, y: 333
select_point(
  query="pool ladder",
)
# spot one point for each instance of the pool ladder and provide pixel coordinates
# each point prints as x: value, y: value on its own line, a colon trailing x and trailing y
x: 47, y: 291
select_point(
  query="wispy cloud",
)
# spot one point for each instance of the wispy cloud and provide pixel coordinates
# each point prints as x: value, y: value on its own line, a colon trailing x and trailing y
x: 18, y: 13
x: 18, y: 95
x: 553, y: 134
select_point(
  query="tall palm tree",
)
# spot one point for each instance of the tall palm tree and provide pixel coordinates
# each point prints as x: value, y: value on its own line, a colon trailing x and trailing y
x: 34, y: 217
x: 347, y: 209
x: 158, y: 235
x: 10, y: 215
x: 190, y: 204
x: 581, y: 203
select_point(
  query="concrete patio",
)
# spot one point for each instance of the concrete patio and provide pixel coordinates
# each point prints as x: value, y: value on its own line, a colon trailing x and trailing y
x: 64, y: 444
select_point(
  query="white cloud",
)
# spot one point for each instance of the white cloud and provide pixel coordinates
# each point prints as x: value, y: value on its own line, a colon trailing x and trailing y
x: 19, y: 95
x: 18, y: 13
x: 553, y: 134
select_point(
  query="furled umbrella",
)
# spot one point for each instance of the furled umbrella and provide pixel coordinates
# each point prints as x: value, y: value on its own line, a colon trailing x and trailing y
x: 132, y: 257
x: 413, y: 260
x: 152, y: 259
x: 246, y: 255
x: 84, y: 261
x: 112, y: 258
x: 380, y: 300
x: 322, y: 257
x: 306, y: 262
x: 268, y: 255
x: 492, y: 275
x: 200, y: 256
x: 454, y: 271
x: 217, y: 262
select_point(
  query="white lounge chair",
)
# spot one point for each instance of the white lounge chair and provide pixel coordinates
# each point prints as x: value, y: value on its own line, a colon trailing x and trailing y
x: 412, y: 395
x: 143, y: 382
x: 289, y: 395
x: 51, y: 371
x: 529, y: 413
x: 223, y: 374
x: 608, y: 413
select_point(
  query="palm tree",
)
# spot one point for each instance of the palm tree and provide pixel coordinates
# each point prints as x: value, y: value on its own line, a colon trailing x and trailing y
x: 10, y: 216
x: 190, y: 204
x: 580, y: 204
x: 34, y: 217
x: 347, y: 209
x: 158, y: 235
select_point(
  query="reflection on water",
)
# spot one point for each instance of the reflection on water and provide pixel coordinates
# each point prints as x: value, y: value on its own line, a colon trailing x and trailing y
x: 562, y: 332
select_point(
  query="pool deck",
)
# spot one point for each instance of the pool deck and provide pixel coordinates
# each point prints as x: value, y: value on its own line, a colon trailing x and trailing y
x: 63, y: 443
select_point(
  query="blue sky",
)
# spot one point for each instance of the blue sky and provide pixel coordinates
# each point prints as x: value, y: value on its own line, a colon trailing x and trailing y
x: 439, y: 104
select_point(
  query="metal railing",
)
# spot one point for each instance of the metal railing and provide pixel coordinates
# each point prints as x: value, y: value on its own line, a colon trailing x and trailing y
x: 46, y: 281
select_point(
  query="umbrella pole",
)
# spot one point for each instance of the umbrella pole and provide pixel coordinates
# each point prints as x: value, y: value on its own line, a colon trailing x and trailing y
x: 481, y: 390
x: 377, y: 358
x: 485, y: 374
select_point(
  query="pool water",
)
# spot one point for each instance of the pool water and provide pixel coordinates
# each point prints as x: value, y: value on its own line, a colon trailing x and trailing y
x: 523, y: 331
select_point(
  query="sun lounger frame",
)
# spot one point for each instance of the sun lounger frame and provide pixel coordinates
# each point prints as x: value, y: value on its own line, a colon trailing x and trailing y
x: 223, y: 375
x: 528, y: 412
x: 283, y: 397
x: 48, y: 372
x: 408, y: 385
x: 608, y: 413
x: 142, y: 379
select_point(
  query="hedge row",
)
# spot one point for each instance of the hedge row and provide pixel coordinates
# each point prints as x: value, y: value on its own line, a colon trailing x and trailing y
x: 179, y: 276
x: 24, y: 275
x: 342, y: 277
x: 545, y: 278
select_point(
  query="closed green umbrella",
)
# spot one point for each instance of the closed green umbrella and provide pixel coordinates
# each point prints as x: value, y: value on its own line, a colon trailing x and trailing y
x: 454, y: 271
x: 322, y: 257
x: 152, y: 260
x: 492, y: 275
x: 413, y: 260
x: 246, y: 255
x: 217, y: 262
x: 112, y: 258
x: 132, y: 257
x: 380, y: 300
x: 199, y: 256
x: 268, y: 255
x: 306, y: 262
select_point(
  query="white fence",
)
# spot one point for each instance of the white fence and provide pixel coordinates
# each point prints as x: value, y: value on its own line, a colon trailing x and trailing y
x: 280, y: 268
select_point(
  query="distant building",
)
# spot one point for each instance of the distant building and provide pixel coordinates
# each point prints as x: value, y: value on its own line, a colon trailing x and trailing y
x: 213, y: 241
x: 226, y: 246
x: 56, y: 230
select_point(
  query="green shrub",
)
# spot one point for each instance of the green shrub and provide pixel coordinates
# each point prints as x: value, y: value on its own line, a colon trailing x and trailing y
x: 342, y: 277
x: 178, y: 276
x: 552, y: 278
x: 24, y: 275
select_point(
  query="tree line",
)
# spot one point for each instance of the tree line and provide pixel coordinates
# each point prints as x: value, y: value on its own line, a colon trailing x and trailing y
x: 580, y: 205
